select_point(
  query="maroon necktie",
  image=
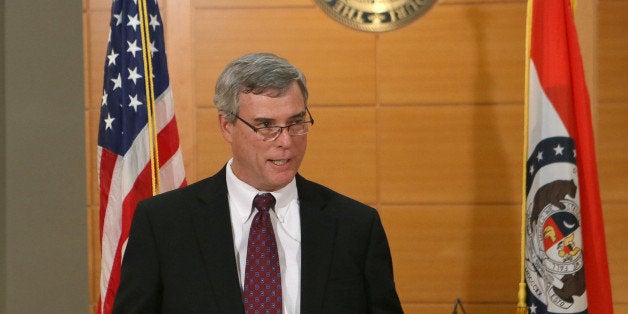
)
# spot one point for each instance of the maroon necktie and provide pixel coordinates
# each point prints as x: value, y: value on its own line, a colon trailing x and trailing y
x: 262, y: 279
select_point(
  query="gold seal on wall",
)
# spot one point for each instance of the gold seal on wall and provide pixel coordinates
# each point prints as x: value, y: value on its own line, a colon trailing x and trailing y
x: 375, y: 15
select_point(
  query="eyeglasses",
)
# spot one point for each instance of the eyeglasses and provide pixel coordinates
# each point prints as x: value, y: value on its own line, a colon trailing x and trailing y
x: 271, y: 133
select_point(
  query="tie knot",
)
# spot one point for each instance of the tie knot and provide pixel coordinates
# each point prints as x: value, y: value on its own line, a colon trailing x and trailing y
x: 264, y: 202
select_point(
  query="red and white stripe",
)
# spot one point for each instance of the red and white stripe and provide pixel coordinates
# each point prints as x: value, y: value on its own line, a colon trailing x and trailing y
x: 126, y: 180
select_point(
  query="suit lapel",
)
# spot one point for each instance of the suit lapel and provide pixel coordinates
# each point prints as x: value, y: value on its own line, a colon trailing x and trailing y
x: 317, y: 242
x: 212, y: 226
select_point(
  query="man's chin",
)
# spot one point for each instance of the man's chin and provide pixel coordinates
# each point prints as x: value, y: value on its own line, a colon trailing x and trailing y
x: 279, y: 181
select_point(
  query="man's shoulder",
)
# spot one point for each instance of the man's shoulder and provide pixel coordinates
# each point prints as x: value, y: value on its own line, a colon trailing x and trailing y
x: 209, y: 186
x: 316, y: 192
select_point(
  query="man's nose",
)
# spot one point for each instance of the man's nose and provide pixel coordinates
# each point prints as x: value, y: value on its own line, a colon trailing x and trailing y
x: 284, y: 139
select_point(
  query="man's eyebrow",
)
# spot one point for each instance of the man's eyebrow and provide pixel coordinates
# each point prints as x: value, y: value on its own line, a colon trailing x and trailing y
x: 299, y: 115
x: 263, y: 120
x: 270, y: 120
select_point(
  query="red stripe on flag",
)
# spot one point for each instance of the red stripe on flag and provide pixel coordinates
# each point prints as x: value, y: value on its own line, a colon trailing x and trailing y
x: 142, y: 189
x: 595, y: 257
x: 548, y: 50
x: 107, y: 164
x: 168, y: 141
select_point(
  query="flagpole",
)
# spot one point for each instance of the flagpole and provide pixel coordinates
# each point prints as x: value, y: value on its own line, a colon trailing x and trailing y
x: 150, y: 96
x: 522, y: 307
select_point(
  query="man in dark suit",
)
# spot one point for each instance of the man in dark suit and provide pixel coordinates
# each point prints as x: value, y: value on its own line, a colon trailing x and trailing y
x: 257, y: 237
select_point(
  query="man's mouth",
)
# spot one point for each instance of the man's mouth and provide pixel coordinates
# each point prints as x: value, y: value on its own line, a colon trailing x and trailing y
x: 279, y: 162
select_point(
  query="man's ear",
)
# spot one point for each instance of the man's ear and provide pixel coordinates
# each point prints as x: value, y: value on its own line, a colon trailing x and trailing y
x: 226, y: 127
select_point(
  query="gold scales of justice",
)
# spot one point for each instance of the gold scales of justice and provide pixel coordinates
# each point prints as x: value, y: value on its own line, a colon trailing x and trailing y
x: 375, y: 15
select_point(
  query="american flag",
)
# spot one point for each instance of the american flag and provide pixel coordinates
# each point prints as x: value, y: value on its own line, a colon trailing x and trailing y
x: 124, y: 135
x: 566, y: 269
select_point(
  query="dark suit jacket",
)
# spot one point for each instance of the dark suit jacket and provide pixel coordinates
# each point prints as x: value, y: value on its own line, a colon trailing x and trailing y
x: 180, y: 254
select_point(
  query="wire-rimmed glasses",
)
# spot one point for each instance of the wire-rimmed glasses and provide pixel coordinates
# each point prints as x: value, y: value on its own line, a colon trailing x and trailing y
x: 272, y: 132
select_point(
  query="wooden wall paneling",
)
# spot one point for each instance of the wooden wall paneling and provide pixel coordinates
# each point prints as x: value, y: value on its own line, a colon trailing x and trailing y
x: 612, y: 48
x: 471, y: 53
x: 91, y: 126
x: 450, y: 154
x: 212, y: 151
x: 98, y: 23
x: 615, y: 222
x: 620, y: 308
x: 341, y: 152
x: 478, y: 2
x: 251, y: 3
x: 612, y: 151
x: 92, y: 118
x: 97, y: 5
x: 442, y: 252
x: 612, y: 130
x: 96, y: 16
x: 586, y: 19
x: 100, y: 5
x: 339, y: 63
x: 488, y: 308
x: 179, y: 48
x: 86, y: 56
x: 91, y: 170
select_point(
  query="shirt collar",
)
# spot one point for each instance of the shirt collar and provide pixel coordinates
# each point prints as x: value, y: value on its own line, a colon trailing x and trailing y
x: 241, y: 195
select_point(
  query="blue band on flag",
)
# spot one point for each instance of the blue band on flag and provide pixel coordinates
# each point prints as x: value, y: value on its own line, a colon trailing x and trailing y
x: 548, y: 151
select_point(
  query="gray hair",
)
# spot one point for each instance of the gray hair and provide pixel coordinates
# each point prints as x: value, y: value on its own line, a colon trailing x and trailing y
x: 255, y: 73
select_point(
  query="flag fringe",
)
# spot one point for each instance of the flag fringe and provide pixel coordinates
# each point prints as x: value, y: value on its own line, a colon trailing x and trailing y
x: 522, y: 307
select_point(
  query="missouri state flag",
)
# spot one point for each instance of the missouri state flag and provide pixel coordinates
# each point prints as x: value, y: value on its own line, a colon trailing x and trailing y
x: 565, y: 265
x: 138, y: 143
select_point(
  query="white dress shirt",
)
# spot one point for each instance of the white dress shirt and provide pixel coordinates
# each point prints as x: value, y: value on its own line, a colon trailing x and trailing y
x: 286, y: 225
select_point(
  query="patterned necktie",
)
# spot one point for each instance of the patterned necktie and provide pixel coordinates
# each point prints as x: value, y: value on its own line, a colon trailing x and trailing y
x: 262, y: 280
